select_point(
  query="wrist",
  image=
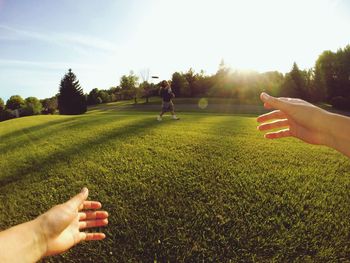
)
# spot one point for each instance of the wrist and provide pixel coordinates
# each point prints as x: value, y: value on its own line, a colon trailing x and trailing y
x: 338, y: 133
x: 39, y: 236
x: 327, y: 129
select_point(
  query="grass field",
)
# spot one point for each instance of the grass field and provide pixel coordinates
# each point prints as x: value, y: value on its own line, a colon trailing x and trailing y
x: 206, y: 188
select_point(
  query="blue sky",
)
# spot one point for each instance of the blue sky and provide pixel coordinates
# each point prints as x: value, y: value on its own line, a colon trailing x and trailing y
x: 101, y: 40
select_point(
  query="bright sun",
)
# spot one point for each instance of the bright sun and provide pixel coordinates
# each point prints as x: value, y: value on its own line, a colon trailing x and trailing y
x: 252, y: 34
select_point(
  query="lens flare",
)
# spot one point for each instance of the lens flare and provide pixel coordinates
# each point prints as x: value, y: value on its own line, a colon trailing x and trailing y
x: 203, y: 103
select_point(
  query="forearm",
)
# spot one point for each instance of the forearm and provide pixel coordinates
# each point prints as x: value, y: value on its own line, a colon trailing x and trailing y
x: 22, y: 243
x: 339, y: 133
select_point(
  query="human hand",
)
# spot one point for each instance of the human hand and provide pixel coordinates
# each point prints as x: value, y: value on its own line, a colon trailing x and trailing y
x: 294, y: 117
x: 61, y: 226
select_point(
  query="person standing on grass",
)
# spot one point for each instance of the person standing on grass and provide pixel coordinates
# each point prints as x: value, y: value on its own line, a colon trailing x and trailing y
x: 300, y: 119
x: 167, y: 105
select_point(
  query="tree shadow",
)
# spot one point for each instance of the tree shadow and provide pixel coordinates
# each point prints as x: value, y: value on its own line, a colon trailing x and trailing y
x: 35, y: 128
x: 132, y: 129
x: 49, y: 129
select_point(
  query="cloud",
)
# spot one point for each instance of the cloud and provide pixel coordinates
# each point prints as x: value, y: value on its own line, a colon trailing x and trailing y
x: 81, y: 43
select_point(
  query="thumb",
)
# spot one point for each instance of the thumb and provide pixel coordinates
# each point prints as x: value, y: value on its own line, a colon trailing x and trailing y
x: 275, y: 103
x: 79, y: 199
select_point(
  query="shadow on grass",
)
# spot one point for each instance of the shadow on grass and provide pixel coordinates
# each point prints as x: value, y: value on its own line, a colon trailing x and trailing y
x: 40, y: 164
x: 51, y: 128
x: 35, y: 128
x: 214, y: 105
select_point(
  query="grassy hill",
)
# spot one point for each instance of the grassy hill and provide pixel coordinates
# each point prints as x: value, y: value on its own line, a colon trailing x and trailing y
x: 205, y: 188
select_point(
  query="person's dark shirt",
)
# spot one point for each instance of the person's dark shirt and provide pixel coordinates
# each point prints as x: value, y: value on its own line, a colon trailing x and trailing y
x: 166, y: 96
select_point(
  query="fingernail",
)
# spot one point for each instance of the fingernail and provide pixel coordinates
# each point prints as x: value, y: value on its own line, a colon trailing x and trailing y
x: 265, y: 96
x: 84, y: 190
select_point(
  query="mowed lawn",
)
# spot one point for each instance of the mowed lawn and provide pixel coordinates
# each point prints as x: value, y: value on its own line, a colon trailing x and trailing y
x: 206, y: 188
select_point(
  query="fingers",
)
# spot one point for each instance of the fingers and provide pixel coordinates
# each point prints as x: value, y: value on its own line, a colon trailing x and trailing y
x: 86, y: 205
x: 93, y: 223
x: 268, y: 106
x: 277, y: 114
x: 278, y: 134
x: 91, y: 236
x: 92, y: 215
x: 76, y: 201
x: 276, y: 103
x: 273, y: 125
x: 279, y: 123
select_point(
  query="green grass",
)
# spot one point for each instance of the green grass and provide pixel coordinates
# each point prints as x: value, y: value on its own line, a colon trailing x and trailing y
x: 205, y: 188
x: 194, y: 105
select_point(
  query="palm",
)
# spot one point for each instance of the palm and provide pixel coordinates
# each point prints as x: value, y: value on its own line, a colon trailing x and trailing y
x: 62, y: 224
x: 66, y: 239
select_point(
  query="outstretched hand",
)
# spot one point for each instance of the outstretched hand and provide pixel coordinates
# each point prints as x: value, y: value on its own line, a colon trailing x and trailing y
x: 61, y: 226
x: 294, y: 117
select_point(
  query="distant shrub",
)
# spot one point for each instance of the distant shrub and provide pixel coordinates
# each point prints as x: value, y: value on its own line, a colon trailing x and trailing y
x: 14, y: 102
x: 340, y: 103
x: 32, y: 106
x: 6, y: 115
x: 92, y: 97
x: 49, y: 105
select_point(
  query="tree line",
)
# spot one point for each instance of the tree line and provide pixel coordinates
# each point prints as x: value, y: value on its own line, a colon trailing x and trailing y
x: 328, y: 81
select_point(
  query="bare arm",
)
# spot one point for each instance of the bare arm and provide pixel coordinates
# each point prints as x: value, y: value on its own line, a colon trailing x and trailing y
x: 53, y: 232
x: 22, y: 243
x: 339, y: 135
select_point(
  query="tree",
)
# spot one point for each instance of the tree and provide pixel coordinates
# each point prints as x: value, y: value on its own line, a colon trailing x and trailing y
x: 145, y: 87
x: 14, y: 102
x: 289, y: 88
x: 300, y: 80
x: 325, y: 74
x: 296, y: 83
x: 104, y: 96
x: 342, y: 69
x: 129, y: 85
x: 92, y: 98
x: 332, y: 74
x: 71, y: 98
x: 32, y: 106
x: 2, y: 110
x: 6, y: 114
x: 145, y: 90
x: 2, y: 105
x: 223, y: 83
x: 179, y: 85
x: 49, y: 105
x: 272, y: 82
x: 128, y: 82
x: 191, y: 78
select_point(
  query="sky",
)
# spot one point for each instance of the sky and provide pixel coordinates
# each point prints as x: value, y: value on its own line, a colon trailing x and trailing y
x: 102, y: 40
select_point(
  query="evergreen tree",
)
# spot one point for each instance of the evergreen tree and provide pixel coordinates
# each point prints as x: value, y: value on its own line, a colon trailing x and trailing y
x: 71, y: 98
x: 297, y: 76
